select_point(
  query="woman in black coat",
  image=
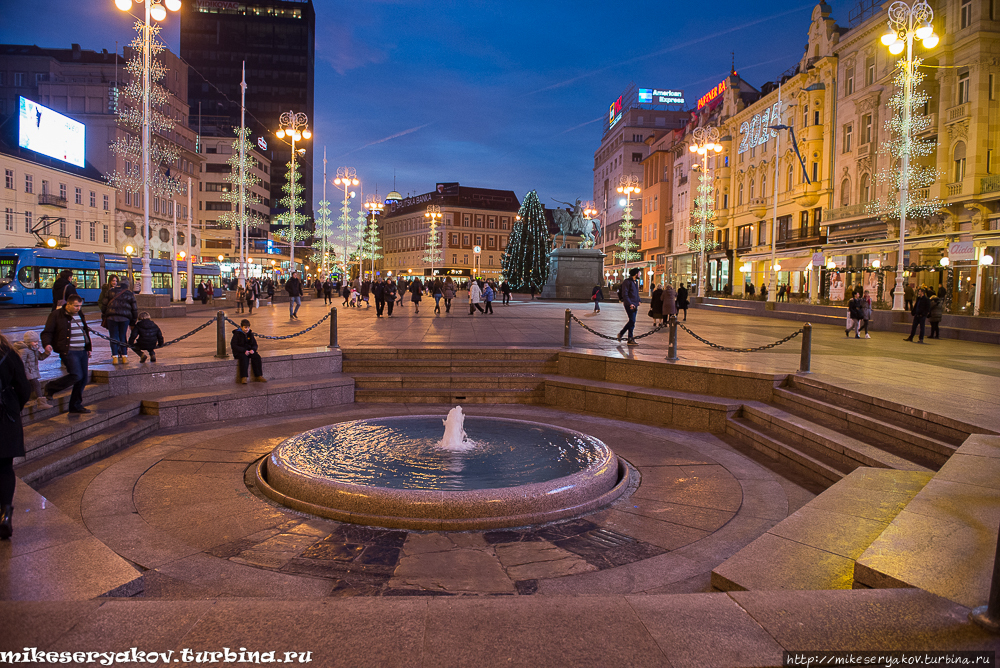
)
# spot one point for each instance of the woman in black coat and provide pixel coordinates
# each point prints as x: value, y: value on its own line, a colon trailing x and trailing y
x: 416, y: 290
x: 14, y: 394
x: 682, y: 300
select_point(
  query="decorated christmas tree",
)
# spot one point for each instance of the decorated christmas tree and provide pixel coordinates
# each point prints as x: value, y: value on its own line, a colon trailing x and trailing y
x: 291, y: 223
x: 323, y: 248
x: 526, y: 260
x: 433, y: 255
x: 231, y: 218
x: 372, y: 244
x: 702, y: 226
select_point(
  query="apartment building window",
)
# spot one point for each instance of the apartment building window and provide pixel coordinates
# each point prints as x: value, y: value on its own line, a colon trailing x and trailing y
x: 965, y: 14
x: 8, y: 219
x: 637, y: 157
x: 845, y: 192
x: 454, y: 258
x: 751, y: 189
x: 866, y: 129
x: 869, y: 70
x: 848, y: 136
x: 491, y: 223
x: 106, y: 236
x: 739, y: 196
x: 466, y: 239
x: 128, y: 198
x: 93, y: 230
x: 959, y: 161
x: 8, y: 179
x: 62, y: 228
x: 466, y: 220
x: 78, y: 231
x: 465, y: 259
x: 815, y: 176
x: 816, y: 117
x: 989, y: 161
x: 29, y: 183
x: 805, y: 117
x: 788, y: 178
x: 866, y: 188
x: 93, y: 199
x: 762, y: 234
x: 78, y: 198
x: 27, y: 222
x: 963, y: 87
x: 19, y: 79
x: 763, y: 185
x: 849, y: 82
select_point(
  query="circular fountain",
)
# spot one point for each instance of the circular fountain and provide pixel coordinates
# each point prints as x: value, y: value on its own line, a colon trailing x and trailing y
x: 484, y: 473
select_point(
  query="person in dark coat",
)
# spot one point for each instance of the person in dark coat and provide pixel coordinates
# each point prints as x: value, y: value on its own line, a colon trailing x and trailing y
x: 416, y: 291
x: 682, y: 300
x: 251, y: 294
x: 327, y: 291
x: 935, y: 315
x: 505, y: 291
x: 630, y: 300
x: 118, y: 311
x: 63, y: 288
x: 597, y: 295
x: 856, y: 312
x: 942, y: 292
x: 293, y: 286
x: 67, y: 333
x: 146, y: 336
x: 378, y: 292
x: 244, y: 347
x: 669, y: 302
x: 390, y: 296
x: 14, y: 394
x: 908, y: 296
x: 656, y: 305
x: 921, y: 309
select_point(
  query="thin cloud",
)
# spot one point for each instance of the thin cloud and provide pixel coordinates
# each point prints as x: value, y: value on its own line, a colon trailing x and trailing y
x: 581, y: 125
x: 670, y: 49
x: 741, y: 69
x: 385, y: 139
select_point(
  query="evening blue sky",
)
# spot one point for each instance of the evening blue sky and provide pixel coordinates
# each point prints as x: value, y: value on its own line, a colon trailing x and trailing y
x: 493, y: 94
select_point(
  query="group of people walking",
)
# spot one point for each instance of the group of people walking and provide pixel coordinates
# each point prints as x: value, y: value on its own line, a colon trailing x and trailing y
x: 664, y: 302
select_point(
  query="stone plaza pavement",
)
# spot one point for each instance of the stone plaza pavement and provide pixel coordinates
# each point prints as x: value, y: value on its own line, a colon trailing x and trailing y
x: 627, y: 586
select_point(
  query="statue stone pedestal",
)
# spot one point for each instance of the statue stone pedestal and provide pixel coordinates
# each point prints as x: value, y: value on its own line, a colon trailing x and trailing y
x: 159, y: 306
x: 573, y: 273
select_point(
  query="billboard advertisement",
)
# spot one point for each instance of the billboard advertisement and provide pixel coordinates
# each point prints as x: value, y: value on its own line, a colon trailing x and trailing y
x: 50, y: 133
x: 657, y: 96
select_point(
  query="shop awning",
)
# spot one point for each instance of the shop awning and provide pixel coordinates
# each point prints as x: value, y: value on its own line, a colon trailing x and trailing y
x: 795, y: 263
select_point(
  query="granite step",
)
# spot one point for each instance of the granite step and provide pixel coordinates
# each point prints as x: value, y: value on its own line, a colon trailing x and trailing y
x: 841, y: 447
x: 97, y: 446
x: 60, y: 403
x: 816, y: 547
x: 815, y: 464
x: 352, y: 365
x: 450, y: 395
x: 452, y: 353
x: 423, y: 380
x: 917, y: 446
x: 59, y: 431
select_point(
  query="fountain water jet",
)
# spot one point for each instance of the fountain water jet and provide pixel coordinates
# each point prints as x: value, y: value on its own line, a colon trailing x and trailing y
x: 455, y: 439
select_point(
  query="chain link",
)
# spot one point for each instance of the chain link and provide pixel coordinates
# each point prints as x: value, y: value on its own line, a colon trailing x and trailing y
x: 612, y: 338
x: 168, y: 343
x: 741, y: 350
x: 287, y: 336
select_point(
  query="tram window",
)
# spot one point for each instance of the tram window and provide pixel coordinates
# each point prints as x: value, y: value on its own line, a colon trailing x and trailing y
x: 87, y: 278
x: 26, y: 276
x: 7, y: 269
x: 161, y: 280
x: 47, y: 276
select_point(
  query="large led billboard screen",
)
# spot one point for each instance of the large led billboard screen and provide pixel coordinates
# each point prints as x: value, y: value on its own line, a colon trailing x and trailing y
x: 50, y: 133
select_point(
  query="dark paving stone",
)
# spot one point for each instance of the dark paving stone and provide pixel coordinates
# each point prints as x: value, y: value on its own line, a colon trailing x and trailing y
x: 415, y: 592
x: 628, y: 554
x: 322, y: 568
x: 232, y: 549
x: 350, y: 533
x: 566, y: 529
x: 496, y: 537
x: 526, y: 587
x: 376, y: 555
x: 333, y: 551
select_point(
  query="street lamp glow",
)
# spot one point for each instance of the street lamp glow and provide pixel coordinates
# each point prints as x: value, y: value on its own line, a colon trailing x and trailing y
x: 925, y: 30
x: 52, y: 243
x: 280, y: 134
x: 777, y: 267
x: 157, y: 12
x: 931, y: 41
x: 945, y: 261
x: 123, y: 5
x: 876, y: 264
x: 221, y: 258
x: 306, y: 134
x: 129, y: 250
x: 986, y: 260
x: 889, y: 37
x: 831, y: 265
x: 897, y: 47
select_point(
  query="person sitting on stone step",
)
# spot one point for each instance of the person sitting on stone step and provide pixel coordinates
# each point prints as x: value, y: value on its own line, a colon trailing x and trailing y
x: 244, y: 346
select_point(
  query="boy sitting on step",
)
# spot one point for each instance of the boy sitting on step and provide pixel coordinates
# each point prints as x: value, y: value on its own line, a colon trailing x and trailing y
x: 244, y: 346
x: 148, y: 335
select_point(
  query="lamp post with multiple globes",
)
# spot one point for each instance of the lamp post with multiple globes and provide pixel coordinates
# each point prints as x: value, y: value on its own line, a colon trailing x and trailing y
x: 433, y: 255
x: 346, y: 177
x: 375, y: 207
x: 627, y: 185
x: 906, y: 22
x: 706, y: 142
x: 295, y: 126
x: 157, y: 11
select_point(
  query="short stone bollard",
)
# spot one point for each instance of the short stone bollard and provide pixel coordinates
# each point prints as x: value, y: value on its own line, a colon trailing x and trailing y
x: 220, y: 335
x: 333, y: 328
x: 567, y: 331
x: 806, y: 359
x: 672, y: 345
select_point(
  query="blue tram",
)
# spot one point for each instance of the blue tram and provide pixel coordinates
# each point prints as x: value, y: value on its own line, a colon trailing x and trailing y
x: 27, y: 274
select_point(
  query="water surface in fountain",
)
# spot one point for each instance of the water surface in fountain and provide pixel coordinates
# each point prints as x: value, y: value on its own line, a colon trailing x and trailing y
x: 407, y: 453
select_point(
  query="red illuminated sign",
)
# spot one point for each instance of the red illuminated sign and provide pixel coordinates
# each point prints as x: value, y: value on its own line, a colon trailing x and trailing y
x: 615, y: 110
x: 714, y: 93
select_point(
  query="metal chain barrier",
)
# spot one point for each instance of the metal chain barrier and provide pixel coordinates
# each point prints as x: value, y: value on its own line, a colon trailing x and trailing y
x: 168, y: 343
x: 287, y: 336
x: 742, y: 350
x: 613, y: 338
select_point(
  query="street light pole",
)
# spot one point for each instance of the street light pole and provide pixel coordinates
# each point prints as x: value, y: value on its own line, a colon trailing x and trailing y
x: 627, y: 184
x: 346, y: 177
x: 905, y: 23
x: 706, y: 141
x: 189, y: 298
x: 296, y: 126
x: 242, y: 205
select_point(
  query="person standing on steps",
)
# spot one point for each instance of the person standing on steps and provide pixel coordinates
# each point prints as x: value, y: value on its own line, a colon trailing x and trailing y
x: 921, y: 309
x: 682, y: 300
x: 629, y: 295
x: 14, y: 394
x: 67, y: 333
x: 293, y: 286
x: 118, y: 312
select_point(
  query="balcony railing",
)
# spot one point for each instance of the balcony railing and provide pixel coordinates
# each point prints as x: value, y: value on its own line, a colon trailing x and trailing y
x: 800, y: 237
x: 954, y: 189
x: 990, y: 184
x: 845, y: 211
x: 958, y: 112
x: 45, y: 199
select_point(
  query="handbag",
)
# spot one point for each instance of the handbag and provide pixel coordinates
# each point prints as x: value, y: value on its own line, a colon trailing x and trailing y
x: 62, y: 302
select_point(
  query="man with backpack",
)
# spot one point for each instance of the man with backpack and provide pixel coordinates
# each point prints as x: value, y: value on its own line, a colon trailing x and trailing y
x: 628, y: 294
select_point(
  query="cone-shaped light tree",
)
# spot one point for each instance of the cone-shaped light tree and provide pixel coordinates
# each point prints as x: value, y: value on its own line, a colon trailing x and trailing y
x: 292, y: 201
x: 252, y: 219
x: 526, y: 260
x: 323, y: 248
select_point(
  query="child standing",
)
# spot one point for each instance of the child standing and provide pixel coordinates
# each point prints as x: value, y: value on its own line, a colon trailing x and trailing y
x: 32, y: 353
x: 148, y: 335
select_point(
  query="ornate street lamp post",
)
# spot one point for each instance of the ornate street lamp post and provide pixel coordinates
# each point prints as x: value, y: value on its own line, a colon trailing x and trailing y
x: 296, y: 127
x: 627, y: 184
x: 347, y: 177
x: 433, y: 255
x: 706, y: 142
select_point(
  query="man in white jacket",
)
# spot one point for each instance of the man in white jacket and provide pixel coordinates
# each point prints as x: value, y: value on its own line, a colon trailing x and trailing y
x: 475, y: 296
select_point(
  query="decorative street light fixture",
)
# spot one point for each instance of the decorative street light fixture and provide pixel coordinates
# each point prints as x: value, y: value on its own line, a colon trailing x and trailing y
x: 296, y: 127
x: 477, y: 251
x: 346, y: 177
x: 154, y: 10
x: 905, y: 23
x: 627, y: 184
x: 375, y: 207
x: 433, y: 254
x: 706, y: 142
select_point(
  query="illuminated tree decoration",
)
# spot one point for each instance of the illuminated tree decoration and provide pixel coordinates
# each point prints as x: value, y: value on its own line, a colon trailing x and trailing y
x: 703, y: 229
x: 128, y: 143
x: 525, y: 261
x: 250, y: 180
x: 372, y: 242
x: 323, y: 236
x: 920, y: 177
x: 292, y: 201
x: 433, y: 255
x: 360, y: 229
x: 626, y: 236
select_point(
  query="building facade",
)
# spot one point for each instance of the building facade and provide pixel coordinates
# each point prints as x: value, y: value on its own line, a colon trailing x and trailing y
x: 473, y: 230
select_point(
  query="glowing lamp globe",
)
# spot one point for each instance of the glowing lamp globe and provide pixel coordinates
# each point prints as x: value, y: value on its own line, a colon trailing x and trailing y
x: 831, y: 265
x: 944, y: 262
x: 173, y: 5
x: 889, y: 37
x: 718, y: 148
x: 897, y: 47
x: 693, y: 148
x: 52, y: 243
x: 307, y: 134
x: 876, y: 264
x: 925, y: 30
x: 129, y: 250
x: 931, y: 41
x: 986, y: 260
x: 158, y: 12
x: 280, y: 134
x: 777, y: 267
x: 123, y: 5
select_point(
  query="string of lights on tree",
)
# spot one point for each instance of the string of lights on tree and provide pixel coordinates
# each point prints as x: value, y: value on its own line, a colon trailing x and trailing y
x: 626, y: 234
x: 703, y: 229
x: 372, y: 241
x: 128, y: 144
x: 525, y: 261
x: 323, y: 235
x: 433, y: 255
x: 292, y: 201
x: 231, y: 218
x: 920, y: 177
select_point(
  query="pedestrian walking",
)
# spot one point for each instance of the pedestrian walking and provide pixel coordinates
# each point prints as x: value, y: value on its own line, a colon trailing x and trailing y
x: 935, y: 316
x: 366, y: 287
x: 628, y: 293
x: 921, y: 309
x: 293, y: 286
x: 597, y: 295
x: 14, y: 395
x: 327, y: 291
x: 146, y: 337
x: 244, y: 347
x: 669, y: 302
x: 31, y: 353
x: 241, y: 298
x: 656, y: 306
x: 682, y: 300
x: 866, y: 312
x: 855, y: 314
x: 118, y: 312
x: 66, y: 332
x: 449, y: 293
x: 63, y: 288
x: 488, y: 298
x: 531, y: 288
x: 400, y: 290
x: 416, y: 290
x: 505, y: 291
x: 378, y: 292
x: 211, y: 293
x: 390, y: 296
x: 475, y: 296
x: 437, y: 289
x: 251, y: 294
x: 346, y: 294
x: 908, y: 294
